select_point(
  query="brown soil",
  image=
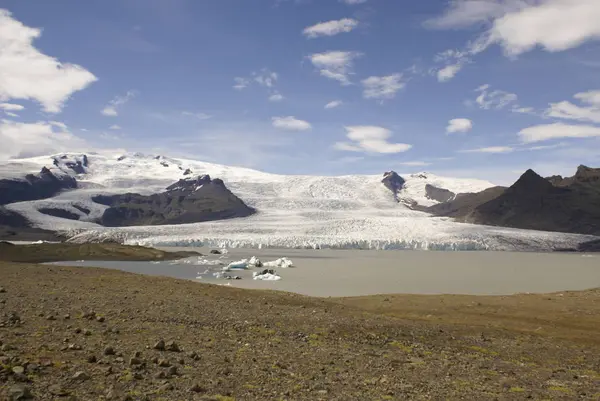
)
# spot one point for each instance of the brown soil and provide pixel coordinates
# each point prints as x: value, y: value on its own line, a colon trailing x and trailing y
x: 56, y: 322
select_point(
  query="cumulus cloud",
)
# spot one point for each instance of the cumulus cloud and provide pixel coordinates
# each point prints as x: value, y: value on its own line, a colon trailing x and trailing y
x: 199, y: 116
x: 330, y: 28
x: 265, y: 77
x: 519, y: 26
x: 370, y: 139
x: 544, y: 132
x: 290, y: 123
x: 335, y: 65
x: 382, y: 87
x: 333, y: 104
x: 111, y: 110
x: 490, y: 149
x: 590, y: 111
x: 494, y: 99
x: 26, y: 73
x: 240, y: 83
x: 115, y: 127
x: 276, y: 97
x: 459, y: 125
x: 415, y: 164
x: 11, y: 107
x: 448, y: 72
x: 35, y: 139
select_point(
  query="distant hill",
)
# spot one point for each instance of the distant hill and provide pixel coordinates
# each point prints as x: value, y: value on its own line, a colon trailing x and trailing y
x: 187, y: 201
x: 570, y: 204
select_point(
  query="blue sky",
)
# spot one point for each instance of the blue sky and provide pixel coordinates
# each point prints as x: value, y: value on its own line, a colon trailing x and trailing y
x: 479, y: 88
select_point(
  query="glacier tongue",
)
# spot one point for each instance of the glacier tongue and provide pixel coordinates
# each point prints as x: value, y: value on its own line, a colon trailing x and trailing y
x: 294, y: 211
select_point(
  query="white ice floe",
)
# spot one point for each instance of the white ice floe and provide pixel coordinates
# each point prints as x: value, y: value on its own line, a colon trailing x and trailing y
x: 281, y: 262
x: 266, y: 276
x: 239, y: 265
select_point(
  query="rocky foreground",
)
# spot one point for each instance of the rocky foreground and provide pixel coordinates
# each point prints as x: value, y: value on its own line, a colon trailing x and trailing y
x: 92, y: 334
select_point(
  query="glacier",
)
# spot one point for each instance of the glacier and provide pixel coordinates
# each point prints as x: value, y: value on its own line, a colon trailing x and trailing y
x: 294, y: 211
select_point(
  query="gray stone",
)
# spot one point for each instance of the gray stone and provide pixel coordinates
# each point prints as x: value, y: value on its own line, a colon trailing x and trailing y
x: 81, y: 376
x: 172, y: 371
x: 172, y: 346
x: 160, y: 345
x: 19, y: 392
x: 109, y: 351
x: 18, y: 370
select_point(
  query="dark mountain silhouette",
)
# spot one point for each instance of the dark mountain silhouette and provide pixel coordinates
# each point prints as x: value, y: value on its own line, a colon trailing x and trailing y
x: 43, y: 185
x: 570, y: 204
x: 392, y: 181
x: 186, y: 201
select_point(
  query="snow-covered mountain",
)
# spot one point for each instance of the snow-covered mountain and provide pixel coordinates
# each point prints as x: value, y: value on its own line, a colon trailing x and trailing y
x: 293, y: 210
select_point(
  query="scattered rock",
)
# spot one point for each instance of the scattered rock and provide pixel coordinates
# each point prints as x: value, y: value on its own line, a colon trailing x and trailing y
x: 115, y: 330
x: 215, y: 252
x: 172, y: 371
x: 19, y: 392
x: 194, y: 356
x: 135, y: 361
x: 120, y: 359
x: 87, y: 332
x: 89, y: 315
x: 6, y: 347
x: 57, y: 390
x: 160, y: 375
x: 100, y: 319
x: 75, y: 347
x: 163, y: 363
x: 196, y: 388
x: 67, y: 317
x: 81, y: 376
x: 78, y: 330
x: 18, y: 370
x: 109, y: 351
x: 172, y: 346
x: 2, y: 290
x: 160, y: 345
x: 166, y: 387
x: 155, y: 360
x: 50, y: 317
x: 92, y: 359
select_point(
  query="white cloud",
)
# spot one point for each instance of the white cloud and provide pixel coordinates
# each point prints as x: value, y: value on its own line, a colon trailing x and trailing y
x: 10, y: 114
x: 26, y: 73
x: 276, y: 97
x: 115, y: 127
x: 415, y: 164
x: 335, y: 65
x: 111, y: 110
x: 291, y: 123
x: 459, y: 125
x: 496, y: 99
x: 353, y: 2
x: 265, y: 77
x: 11, y: 107
x: 35, y: 139
x: 330, y: 28
x: 370, y: 139
x: 382, y: 87
x: 523, y: 110
x: 333, y: 104
x: 240, y: 83
x: 546, y: 132
x: 520, y: 26
x: 569, y: 111
x: 447, y: 73
x: 199, y: 116
x: 490, y: 149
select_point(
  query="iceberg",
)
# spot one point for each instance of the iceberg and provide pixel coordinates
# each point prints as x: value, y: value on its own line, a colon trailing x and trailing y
x: 281, y: 262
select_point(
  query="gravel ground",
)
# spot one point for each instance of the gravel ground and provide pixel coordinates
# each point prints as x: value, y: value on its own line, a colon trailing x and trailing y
x: 72, y: 333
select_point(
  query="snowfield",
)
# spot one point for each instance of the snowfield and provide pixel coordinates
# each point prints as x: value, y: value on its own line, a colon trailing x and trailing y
x: 294, y: 211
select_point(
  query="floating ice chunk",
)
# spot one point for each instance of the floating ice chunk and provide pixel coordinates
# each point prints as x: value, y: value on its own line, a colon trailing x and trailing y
x: 281, y: 262
x: 266, y: 276
x: 254, y: 262
x: 239, y: 265
x: 224, y: 251
x: 207, y: 262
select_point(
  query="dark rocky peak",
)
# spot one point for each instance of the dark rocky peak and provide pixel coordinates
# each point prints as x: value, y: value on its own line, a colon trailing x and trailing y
x: 393, y: 181
x: 193, y: 184
x: 121, y: 158
x: 45, y: 184
x: 555, y: 180
x: 75, y: 163
x: 532, y: 181
x: 420, y: 175
x: 438, y: 194
x: 587, y: 174
x: 187, y: 171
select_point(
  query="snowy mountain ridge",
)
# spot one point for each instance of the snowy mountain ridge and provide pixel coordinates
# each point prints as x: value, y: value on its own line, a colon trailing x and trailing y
x: 293, y: 210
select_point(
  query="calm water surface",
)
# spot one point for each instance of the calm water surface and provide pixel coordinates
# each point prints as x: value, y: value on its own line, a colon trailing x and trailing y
x: 357, y: 272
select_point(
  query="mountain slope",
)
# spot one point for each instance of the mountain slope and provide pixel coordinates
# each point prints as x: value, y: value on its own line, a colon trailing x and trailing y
x: 570, y: 205
x: 186, y: 201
